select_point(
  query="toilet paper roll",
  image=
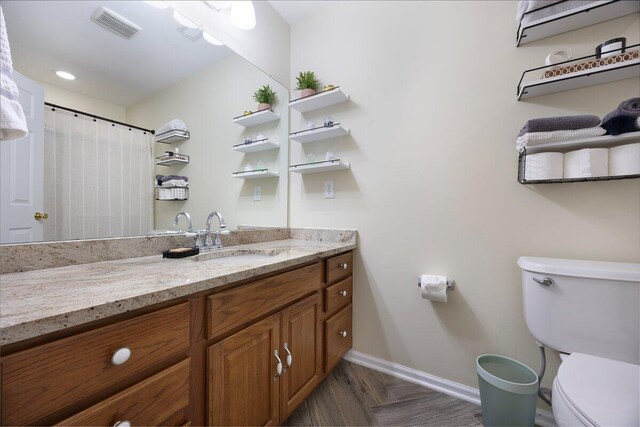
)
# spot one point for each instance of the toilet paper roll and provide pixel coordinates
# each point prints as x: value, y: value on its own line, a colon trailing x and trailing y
x: 433, y: 288
x: 625, y: 160
x: 586, y: 163
x: 543, y: 166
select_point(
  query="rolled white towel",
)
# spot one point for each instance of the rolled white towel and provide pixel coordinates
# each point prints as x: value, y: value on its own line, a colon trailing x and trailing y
x: 13, y: 124
x: 541, y: 138
x: 543, y: 166
x: 586, y: 163
x: 175, y: 124
x: 175, y: 183
x: 624, y: 160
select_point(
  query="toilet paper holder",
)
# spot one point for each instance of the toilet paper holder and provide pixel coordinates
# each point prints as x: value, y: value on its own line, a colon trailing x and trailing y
x: 451, y: 284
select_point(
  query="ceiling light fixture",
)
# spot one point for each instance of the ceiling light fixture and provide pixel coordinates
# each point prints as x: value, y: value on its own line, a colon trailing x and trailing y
x: 243, y: 15
x: 209, y: 38
x: 65, y: 75
x: 183, y: 20
x: 157, y: 4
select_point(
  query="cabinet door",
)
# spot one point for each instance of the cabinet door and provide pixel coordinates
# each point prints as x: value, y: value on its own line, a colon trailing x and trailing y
x: 302, y: 346
x: 243, y: 382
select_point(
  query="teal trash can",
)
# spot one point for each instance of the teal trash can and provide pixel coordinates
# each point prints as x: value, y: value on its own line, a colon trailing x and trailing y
x: 508, y: 391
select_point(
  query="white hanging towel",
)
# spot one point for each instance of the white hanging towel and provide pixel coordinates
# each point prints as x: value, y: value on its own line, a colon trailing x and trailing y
x: 13, y: 124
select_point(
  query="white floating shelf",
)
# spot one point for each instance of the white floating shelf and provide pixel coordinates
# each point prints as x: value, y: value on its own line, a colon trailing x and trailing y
x: 317, y: 167
x: 256, y: 118
x: 318, y: 134
x: 591, y: 77
x: 583, y: 16
x: 255, y: 146
x: 173, y: 136
x: 255, y: 174
x: 172, y: 162
x: 593, y: 142
x: 319, y: 100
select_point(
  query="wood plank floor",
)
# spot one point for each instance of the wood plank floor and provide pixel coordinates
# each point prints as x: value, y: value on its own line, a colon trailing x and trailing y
x: 353, y: 395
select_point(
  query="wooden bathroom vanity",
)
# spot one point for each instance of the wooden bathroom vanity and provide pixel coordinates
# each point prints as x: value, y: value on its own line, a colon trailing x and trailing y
x: 244, y: 353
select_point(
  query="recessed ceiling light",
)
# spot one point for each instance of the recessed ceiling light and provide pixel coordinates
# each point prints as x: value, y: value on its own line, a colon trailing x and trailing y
x: 65, y: 75
x: 208, y: 37
x: 243, y: 15
x: 157, y: 4
x: 183, y: 20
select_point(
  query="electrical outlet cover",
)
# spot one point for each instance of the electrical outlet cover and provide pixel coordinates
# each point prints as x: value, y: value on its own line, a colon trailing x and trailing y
x: 257, y: 193
x: 329, y: 190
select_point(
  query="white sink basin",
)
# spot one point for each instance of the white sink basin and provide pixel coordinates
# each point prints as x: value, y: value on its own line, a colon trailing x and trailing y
x: 240, y: 254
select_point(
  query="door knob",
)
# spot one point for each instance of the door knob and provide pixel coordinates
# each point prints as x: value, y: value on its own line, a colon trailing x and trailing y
x: 40, y: 216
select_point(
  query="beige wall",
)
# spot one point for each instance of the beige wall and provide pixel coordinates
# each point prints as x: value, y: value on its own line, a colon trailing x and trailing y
x: 77, y: 101
x: 207, y: 103
x: 433, y: 186
x: 266, y: 45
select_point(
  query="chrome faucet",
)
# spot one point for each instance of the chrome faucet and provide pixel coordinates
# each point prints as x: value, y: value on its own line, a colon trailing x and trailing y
x: 215, y: 243
x: 188, y: 217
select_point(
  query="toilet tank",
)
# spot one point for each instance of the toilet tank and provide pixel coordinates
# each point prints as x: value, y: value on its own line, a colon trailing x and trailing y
x: 587, y: 307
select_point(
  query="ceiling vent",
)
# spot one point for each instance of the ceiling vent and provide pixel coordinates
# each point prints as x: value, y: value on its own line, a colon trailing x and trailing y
x: 193, y: 34
x: 114, y: 22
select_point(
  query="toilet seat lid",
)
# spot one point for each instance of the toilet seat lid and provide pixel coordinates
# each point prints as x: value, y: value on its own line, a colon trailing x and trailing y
x: 604, y: 391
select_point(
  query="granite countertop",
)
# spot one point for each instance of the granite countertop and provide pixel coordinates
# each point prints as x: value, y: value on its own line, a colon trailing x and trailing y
x: 38, y: 302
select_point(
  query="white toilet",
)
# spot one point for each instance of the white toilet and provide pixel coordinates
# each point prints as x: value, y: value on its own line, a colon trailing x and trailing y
x: 590, y: 312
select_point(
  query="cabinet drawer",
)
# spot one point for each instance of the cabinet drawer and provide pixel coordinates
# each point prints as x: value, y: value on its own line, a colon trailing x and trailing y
x: 338, y: 295
x: 41, y: 380
x: 151, y: 402
x: 338, y: 337
x: 236, y: 307
x: 338, y: 267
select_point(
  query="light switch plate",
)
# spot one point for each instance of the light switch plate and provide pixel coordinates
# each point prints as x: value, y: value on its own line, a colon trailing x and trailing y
x: 257, y: 193
x: 329, y: 190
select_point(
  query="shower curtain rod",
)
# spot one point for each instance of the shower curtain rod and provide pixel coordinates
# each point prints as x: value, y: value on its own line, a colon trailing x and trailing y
x: 54, y: 106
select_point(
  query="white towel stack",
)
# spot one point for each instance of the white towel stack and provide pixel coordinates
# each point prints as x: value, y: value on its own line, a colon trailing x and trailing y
x: 542, y: 138
x: 175, y: 124
x: 13, y: 124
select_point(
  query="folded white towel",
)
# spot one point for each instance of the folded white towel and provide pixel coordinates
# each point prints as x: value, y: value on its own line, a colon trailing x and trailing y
x: 13, y: 124
x: 175, y: 183
x: 542, y: 138
x: 175, y: 124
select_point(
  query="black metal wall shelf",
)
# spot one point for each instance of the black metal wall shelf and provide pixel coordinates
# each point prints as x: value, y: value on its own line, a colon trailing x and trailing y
x: 591, y: 13
x: 522, y: 160
x: 583, y: 78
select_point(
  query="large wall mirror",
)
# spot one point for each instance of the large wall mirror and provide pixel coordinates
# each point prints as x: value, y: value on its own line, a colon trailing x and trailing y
x: 135, y: 115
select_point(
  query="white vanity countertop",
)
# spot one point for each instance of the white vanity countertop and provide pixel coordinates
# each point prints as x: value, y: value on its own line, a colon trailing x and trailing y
x: 38, y: 302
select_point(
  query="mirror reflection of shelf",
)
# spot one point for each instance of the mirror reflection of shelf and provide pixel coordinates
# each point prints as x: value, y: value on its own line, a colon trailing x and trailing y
x: 255, y: 118
x: 319, y: 133
x: 586, y: 77
x: 176, y: 159
x: 317, y: 167
x: 319, y: 100
x: 171, y: 193
x: 255, y: 146
x: 591, y: 13
x: 173, y: 136
x: 255, y: 174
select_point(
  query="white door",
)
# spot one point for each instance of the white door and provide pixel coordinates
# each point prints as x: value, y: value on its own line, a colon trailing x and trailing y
x: 21, y: 171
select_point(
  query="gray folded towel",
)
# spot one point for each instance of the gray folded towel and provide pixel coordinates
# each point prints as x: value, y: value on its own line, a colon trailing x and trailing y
x: 549, y: 124
x: 630, y: 107
x: 164, y: 178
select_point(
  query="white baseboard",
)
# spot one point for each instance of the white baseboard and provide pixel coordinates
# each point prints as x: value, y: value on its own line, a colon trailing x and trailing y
x: 451, y: 388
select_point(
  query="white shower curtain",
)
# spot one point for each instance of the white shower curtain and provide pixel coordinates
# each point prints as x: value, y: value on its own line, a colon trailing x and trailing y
x: 98, y: 178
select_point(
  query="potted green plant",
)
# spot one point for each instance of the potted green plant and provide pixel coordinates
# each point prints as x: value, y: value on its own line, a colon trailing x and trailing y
x: 265, y: 97
x: 308, y: 83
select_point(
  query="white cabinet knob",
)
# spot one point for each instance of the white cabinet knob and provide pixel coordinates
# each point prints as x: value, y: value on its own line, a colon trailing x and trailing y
x: 343, y: 293
x: 344, y: 266
x: 343, y: 334
x: 119, y: 357
x: 124, y: 423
